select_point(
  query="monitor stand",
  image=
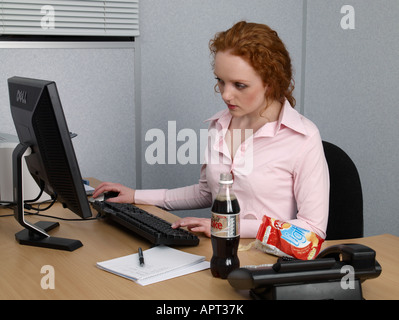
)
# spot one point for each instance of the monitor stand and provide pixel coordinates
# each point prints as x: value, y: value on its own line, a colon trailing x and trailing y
x: 34, y: 234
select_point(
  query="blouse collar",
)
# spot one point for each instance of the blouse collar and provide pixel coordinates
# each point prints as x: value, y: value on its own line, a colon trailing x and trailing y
x: 289, y: 118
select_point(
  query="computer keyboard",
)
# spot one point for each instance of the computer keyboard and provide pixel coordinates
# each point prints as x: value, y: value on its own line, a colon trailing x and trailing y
x: 156, y: 230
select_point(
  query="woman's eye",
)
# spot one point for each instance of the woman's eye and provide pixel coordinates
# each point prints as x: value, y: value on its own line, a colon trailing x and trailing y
x: 240, y: 85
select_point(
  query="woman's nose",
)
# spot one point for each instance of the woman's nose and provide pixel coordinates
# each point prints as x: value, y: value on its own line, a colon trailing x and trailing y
x: 227, y: 93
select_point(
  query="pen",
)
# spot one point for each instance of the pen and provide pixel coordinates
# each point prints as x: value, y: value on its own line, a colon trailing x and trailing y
x: 141, y: 257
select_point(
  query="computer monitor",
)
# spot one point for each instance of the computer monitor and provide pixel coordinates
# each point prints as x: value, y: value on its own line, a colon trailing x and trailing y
x: 41, y: 126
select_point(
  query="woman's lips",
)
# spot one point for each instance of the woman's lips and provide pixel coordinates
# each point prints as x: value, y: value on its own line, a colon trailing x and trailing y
x: 231, y: 107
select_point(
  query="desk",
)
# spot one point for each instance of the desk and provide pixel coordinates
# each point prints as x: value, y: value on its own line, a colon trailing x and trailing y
x: 77, y: 277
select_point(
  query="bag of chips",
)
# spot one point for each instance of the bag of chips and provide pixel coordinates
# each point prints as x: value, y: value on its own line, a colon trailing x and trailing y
x: 284, y: 239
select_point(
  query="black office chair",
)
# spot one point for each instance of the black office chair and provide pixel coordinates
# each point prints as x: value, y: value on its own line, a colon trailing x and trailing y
x: 345, y: 219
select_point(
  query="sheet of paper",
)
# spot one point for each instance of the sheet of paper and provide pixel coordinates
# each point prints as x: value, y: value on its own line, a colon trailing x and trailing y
x: 175, y: 273
x: 161, y: 263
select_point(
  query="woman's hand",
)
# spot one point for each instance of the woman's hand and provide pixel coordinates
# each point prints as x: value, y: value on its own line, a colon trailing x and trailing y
x: 126, y: 195
x: 195, y: 225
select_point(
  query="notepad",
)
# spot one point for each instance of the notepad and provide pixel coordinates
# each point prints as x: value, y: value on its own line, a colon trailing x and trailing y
x: 161, y: 263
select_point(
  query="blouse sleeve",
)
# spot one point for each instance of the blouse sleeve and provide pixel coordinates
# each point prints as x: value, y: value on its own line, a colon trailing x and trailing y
x: 312, y: 188
x: 190, y: 197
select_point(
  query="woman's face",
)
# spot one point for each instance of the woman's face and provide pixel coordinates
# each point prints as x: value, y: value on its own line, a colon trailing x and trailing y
x: 242, y: 89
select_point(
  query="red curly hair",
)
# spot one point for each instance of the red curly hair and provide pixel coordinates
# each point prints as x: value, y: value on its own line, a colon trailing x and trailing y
x: 262, y: 48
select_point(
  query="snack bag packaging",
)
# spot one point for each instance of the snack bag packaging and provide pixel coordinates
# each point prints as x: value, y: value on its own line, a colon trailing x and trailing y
x: 284, y: 239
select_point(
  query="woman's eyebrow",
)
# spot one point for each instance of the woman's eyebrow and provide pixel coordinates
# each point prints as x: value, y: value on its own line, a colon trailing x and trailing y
x: 236, y: 80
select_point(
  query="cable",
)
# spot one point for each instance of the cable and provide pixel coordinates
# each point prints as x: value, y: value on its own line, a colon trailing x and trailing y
x: 28, y: 213
x: 30, y: 207
x: 7, y: 203
x: 11, y: 203
x: 38, y: 209
x: 58, y: 218
x: 6, y: 215
x: 40, y: 193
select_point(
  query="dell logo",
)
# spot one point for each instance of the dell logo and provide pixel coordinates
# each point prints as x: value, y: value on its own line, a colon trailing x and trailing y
x: 21, y: 96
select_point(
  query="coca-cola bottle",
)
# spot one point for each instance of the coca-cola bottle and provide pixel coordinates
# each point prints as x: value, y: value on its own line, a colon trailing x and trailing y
x: 225, y: 229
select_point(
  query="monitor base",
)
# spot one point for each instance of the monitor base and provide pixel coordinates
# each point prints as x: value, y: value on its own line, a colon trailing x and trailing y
x: 29, y: 238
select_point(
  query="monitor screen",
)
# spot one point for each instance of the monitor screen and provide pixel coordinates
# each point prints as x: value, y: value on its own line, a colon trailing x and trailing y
x: 41, y: 126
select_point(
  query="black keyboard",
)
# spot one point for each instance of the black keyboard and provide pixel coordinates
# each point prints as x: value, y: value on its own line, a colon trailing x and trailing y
x: 156, y: 230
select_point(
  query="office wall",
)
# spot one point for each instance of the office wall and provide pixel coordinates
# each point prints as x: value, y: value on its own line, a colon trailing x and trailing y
x: 351, y: 93
x: 96, y: 87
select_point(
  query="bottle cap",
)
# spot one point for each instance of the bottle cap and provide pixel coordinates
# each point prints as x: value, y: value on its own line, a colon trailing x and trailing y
x: 226, y: 178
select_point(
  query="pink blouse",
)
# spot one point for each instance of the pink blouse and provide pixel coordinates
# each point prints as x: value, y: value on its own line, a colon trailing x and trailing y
x: 280, y: 171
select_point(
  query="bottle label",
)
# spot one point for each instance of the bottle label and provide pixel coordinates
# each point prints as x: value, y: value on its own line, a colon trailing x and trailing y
x: 225, y: 225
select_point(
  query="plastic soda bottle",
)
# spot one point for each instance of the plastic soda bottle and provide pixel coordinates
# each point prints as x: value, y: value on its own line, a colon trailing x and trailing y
x: 225, y: 229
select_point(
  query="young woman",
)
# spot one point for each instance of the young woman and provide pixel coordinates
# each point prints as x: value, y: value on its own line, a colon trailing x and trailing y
x: 274, y: 153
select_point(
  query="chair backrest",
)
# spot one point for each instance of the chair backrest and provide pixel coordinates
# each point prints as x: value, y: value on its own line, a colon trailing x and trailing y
x: 345, y: 219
